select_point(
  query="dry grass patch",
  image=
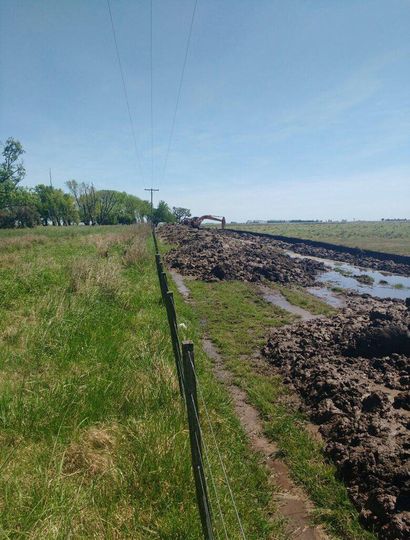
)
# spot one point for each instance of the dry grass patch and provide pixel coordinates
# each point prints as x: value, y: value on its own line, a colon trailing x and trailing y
x: 22, y: 242
x: 124, y: 238
x: 88, y: 274
x: 11, y: 328
x: 93, y: 454
x: 10, y: 381
x: 105, y: 242
x: 137, y: 251
x: 17, y: 329
x: 135, y: 254
x: 9, y: 260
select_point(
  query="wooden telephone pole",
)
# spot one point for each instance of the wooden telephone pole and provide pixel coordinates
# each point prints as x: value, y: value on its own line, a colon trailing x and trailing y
x: 152, y: 200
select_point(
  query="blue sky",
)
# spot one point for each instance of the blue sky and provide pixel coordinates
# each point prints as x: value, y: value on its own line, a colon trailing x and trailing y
x: 289, y: 109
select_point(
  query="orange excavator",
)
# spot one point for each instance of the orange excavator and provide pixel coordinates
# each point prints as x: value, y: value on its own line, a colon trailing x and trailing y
x: 195, y: 222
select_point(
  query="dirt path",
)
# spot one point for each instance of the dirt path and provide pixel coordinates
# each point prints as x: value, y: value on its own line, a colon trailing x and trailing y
x: 179, y: 282
x: 292, y: 502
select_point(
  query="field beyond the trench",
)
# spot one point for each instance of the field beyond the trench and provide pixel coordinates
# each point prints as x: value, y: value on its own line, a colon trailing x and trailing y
x: 388, y: 236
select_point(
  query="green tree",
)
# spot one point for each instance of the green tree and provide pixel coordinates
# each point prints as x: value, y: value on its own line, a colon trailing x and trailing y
x: 120, y: 207
x: 24, y: 206
x: 107, y: 205
x: 132, y: 209
x: 71, y: 215
x: 85, y: 196
x: 55, y: 206
x: 12, y: 170
x: 17, y: 205
x: 180, y: 213
x: 21, y: 209
x: 137, y: 209
x: 163, y: 214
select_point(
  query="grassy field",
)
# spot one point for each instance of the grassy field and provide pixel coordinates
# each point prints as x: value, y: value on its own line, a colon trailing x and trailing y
x: 238, y: 321
x: 93, y: 437
x: 392, y: 237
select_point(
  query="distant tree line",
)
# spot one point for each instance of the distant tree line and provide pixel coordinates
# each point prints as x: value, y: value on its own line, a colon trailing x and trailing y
x: 395, y: 219
x: 48, y: 206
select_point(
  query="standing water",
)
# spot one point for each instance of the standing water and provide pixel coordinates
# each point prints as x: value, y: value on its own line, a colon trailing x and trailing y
x: 361, y: 280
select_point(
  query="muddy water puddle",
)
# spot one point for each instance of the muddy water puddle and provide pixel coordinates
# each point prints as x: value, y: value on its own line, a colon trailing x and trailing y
x: 361, y: 280
x: 328, y: 296
x: 277, y: 299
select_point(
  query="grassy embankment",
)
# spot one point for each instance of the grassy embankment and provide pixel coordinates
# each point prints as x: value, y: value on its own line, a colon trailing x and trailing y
x: 93, y: 438
x: 238, y: 321
x: 392, y: 237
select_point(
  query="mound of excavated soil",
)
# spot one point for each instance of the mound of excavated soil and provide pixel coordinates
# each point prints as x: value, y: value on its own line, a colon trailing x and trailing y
x: 353, y: 373
x: 357, y: 259
x: 211, y: 254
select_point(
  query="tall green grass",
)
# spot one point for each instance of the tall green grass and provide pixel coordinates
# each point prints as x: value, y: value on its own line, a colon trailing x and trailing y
x: 93, y: 435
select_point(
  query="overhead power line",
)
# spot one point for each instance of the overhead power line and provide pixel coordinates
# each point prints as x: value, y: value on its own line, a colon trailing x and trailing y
x: 181, y: 80
x: 152, y: 105
x: 124, y: 86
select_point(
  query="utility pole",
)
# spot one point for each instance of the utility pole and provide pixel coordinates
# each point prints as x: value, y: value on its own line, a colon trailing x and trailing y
x: 152, y: 203
x: 51, y: 181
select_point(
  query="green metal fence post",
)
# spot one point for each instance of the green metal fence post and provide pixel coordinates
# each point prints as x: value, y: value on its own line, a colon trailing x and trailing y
x: 196, y: 439
x: 176, y: 346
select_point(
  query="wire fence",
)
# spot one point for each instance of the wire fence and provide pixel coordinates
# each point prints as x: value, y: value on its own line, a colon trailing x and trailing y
x: 190, y: 388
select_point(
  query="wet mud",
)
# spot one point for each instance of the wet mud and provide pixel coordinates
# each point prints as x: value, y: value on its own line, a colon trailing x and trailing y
x: 356, y: 260
x: 351, y: 370
x: 357, y: 257
x: 277, y: 299
x: 213, y: 255
x: 353, y: 373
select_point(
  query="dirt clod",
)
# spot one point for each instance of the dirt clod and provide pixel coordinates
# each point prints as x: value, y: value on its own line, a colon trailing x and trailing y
x: 352, y: 371
x: 212, y: 255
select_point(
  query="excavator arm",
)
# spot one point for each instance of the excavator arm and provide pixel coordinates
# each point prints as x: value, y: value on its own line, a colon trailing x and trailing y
x: 196, y: 222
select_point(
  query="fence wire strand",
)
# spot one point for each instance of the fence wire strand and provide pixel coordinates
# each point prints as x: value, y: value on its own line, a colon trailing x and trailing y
x: 204, y: 444
x: 218, y: 451
x: 213, y: 483
x: 210, y: 469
